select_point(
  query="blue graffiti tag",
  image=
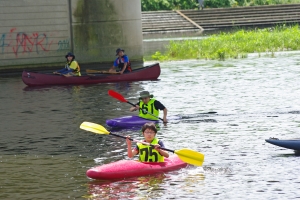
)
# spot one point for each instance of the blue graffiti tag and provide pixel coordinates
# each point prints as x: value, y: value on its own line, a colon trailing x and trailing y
x: 2, y: 42
x: 63, y: 45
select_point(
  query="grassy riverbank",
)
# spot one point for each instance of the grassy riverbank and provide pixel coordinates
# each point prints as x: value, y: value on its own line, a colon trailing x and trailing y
x: 153, y: 5
x: 234, y: 45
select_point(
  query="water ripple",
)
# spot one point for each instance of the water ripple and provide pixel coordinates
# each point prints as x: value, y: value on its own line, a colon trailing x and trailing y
x: 44, y: 154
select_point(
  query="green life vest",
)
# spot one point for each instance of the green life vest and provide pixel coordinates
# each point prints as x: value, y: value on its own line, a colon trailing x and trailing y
x: 148, y: 153
x: 149, y: 107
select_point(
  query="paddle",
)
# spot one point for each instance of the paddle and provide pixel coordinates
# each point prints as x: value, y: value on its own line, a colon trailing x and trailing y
x: 186, y: 155
x: 212, y: 112
x: 91, y: 71
x: 118, y: 96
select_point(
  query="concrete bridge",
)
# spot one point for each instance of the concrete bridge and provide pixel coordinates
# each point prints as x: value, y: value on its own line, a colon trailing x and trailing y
x: 38, y: 33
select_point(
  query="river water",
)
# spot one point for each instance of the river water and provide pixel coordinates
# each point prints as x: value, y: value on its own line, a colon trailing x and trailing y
x: 44, y: 153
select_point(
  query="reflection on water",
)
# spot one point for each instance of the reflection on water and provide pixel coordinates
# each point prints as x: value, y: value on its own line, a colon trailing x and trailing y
x: 42, y: 176
x: 44, y: 153
x: 148, y: 187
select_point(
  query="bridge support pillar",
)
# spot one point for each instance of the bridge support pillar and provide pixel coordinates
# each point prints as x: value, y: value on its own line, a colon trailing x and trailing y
x: 99, y: 27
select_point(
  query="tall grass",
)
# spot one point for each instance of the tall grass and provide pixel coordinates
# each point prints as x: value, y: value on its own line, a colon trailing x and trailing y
x: 260, y: 2
x: 152, y: 5
x: 234, y: 45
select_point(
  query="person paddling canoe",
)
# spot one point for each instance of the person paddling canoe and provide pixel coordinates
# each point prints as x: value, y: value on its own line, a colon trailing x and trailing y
x: 122, y: 63
x: 149, y: 107
x: 148, y: 153
x: 71, y: 68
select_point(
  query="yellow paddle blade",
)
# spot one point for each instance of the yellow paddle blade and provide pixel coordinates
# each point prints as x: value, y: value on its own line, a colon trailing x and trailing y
x: 95, y: 128
x: 190, y: 156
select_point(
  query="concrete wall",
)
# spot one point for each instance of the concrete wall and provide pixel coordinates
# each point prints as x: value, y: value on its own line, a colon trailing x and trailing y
x: 35, y: 33
x: 101, y: 26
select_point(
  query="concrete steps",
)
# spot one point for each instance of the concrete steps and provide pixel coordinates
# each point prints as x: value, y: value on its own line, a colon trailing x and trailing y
x: 221, y: 18
x: 164, y: 21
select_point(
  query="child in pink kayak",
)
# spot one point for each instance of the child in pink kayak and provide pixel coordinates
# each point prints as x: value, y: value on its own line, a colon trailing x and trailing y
x: 146, y: 152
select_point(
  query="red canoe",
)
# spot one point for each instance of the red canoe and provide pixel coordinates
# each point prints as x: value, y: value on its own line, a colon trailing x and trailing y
x: 150, y: 72
x: 131, y: 168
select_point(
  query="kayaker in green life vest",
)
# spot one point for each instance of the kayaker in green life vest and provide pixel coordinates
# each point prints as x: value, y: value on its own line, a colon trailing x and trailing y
x: 71, y: 67
x: 149, y: 105
x: 148, y: 153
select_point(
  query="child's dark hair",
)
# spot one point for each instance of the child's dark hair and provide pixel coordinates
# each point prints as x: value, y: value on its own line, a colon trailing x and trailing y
x: 150, y: 126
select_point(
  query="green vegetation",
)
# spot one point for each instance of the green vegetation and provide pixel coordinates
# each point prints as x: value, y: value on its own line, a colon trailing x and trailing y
x: 153, y: 5
x: 234, y: 45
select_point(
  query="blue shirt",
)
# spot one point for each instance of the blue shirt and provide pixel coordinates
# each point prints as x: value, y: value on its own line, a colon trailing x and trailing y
x: 118, y: 61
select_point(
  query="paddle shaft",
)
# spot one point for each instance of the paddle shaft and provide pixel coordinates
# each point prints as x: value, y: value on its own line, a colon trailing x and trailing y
x: 100, y: 72
x: 210, y: 112
x: 145, y: 111
x: 120, y: 136
x: 186, y: 155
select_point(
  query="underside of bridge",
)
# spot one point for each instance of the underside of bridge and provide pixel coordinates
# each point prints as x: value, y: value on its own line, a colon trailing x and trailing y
x: 38, y: 34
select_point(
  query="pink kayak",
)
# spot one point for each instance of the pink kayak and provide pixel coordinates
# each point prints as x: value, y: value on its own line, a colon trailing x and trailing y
x: 131, y: 168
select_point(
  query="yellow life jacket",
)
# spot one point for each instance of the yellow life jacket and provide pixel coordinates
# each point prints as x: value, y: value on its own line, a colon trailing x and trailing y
x: 149, y: 107
x: 75, y: 66
x: 148, y: 153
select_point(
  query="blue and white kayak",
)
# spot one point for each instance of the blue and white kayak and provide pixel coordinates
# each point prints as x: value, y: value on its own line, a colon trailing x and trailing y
x: 289, y: 144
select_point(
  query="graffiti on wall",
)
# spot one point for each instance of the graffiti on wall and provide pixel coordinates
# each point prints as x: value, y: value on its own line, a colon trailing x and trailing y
x: 35, y: 42
x: 63, y: 45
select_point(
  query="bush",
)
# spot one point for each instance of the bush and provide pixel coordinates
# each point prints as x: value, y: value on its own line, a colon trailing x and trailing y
x: 153, y: 5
